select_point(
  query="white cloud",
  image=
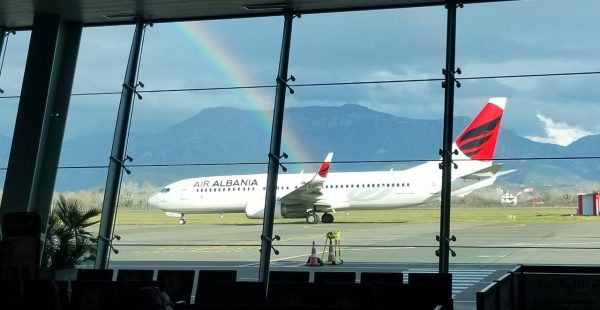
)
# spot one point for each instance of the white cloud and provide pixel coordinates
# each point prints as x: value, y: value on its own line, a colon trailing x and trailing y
x: 558, y: 133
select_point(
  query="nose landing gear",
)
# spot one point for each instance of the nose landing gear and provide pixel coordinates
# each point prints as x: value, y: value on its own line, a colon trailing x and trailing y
x: 182, y: 220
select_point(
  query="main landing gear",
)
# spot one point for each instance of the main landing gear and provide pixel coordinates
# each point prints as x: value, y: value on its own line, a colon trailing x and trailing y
x: 182, y: 220
x: 313, y: 218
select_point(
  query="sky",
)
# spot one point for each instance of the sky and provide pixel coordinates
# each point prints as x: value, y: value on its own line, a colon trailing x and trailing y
x: 513, y: 38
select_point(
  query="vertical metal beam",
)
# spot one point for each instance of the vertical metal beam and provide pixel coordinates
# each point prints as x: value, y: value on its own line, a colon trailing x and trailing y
x: 32, y: 115
x: 275, y: 149
x: 447, y: 140
x: 3, y: 35
x: 41, y: 116
x: 117, y: 156
x: 63, y: 75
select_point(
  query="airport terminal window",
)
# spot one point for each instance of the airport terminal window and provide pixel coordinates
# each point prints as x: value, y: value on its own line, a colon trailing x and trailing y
x: 174, y: 133
x: 203, y: 114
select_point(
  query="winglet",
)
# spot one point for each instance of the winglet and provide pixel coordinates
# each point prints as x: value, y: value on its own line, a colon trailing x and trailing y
x: 325, y: 165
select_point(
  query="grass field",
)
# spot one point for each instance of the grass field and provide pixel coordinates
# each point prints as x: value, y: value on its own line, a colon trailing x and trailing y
x: 417, y: 215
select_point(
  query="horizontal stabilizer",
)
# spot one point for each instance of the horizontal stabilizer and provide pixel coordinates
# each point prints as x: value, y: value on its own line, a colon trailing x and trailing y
x: 501, y: 173
x: 487, y: 172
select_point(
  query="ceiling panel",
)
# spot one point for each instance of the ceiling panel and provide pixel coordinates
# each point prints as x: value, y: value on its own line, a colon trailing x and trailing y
x: 19, y: 14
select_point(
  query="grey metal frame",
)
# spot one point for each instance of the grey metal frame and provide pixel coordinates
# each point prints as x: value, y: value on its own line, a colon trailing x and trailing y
x: 41, y: 116
x: 118, y: 156
x: 275, y: 149
x: 447, y: 164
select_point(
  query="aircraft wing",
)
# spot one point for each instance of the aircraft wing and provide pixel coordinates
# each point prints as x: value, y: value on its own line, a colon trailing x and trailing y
x: 308, y: 194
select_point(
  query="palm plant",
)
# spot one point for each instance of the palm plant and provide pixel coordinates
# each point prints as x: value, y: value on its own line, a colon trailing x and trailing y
x: 67, y: 241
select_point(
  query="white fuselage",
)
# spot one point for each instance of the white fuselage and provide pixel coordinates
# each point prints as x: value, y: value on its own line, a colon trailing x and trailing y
x: 343, y: 190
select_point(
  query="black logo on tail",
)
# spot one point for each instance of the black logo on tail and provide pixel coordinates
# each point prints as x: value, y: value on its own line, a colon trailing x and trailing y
x: 480, y: 135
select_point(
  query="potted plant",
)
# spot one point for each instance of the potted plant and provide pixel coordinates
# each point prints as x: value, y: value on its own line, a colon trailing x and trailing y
x: 67, y: 242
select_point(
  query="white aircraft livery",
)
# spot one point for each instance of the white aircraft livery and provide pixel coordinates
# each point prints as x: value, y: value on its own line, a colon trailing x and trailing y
x: 306, y: 195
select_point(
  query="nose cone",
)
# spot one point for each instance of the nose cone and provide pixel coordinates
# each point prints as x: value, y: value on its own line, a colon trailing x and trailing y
x: 156, y: 201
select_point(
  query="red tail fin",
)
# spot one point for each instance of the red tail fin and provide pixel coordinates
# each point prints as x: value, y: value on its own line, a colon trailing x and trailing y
x: 478, y: 140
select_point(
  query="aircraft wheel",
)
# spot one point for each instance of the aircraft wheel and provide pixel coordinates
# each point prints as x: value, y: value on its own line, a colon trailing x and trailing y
x: 312, y: 218
x: 327, y: 218
x: 182, y: 221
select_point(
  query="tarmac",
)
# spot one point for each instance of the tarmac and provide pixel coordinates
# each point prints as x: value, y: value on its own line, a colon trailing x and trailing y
x: 484, y: 251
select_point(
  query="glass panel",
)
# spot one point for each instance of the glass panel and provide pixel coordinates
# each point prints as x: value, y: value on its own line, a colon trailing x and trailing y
x: 183, y: 130
x: 102, y: 59
x: 376, y: 131
x: 222, y: 53
x: 529, y: 215
x: 538, y: 38
x: 91, y: 119
x: 8, y: 115
x: 368, y: 46
x: 15, y: 53
x: 549, y: 131
x: 87, y: 142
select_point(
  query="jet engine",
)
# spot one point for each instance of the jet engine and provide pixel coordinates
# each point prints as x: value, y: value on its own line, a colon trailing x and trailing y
x: 255, y: 209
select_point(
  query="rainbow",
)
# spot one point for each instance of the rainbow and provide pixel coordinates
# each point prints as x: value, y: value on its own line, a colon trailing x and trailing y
x: 227, y: 63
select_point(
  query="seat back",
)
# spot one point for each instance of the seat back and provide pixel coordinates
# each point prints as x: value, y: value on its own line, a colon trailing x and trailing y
x: 250, y: 294
x: 291, y: 294
x: 22, y: 231
x: 41, y: 294
x: 135, y: 275
x: 132, y: 295
x: 63, y: 293
x: 335, y: 277
x: 92, y: 295
x: 433, y: 287
x: 177, y: 283
x: 208, y: 279
x: 289, y: 276
x: 95, y: 274
x: 381, y: 277
x: 213, y: 276
x: 10, y: 294
x: 5, y: 255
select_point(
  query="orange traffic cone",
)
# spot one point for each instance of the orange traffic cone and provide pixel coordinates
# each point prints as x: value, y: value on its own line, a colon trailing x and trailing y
x: 331, y: 256
x: 313, y: 260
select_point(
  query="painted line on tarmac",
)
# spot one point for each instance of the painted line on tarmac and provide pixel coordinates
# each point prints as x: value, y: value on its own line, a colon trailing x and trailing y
x: 279, y: 259
x: 503, y: 226
x: 539, y: 245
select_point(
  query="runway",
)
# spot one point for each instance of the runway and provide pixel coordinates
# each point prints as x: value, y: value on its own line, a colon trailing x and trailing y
x: 484, y: 251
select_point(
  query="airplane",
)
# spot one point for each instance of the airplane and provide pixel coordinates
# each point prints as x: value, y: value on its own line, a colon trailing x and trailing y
x: 306, y: 195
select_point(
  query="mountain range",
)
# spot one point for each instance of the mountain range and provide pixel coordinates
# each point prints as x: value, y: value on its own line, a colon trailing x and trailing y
x: 234, y: 141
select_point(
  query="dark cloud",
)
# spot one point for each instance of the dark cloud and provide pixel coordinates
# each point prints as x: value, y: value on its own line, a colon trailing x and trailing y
x: 522, y: 37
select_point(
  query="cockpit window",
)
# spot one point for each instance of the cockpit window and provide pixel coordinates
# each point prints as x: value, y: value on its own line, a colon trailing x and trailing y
x: 165, y: 190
